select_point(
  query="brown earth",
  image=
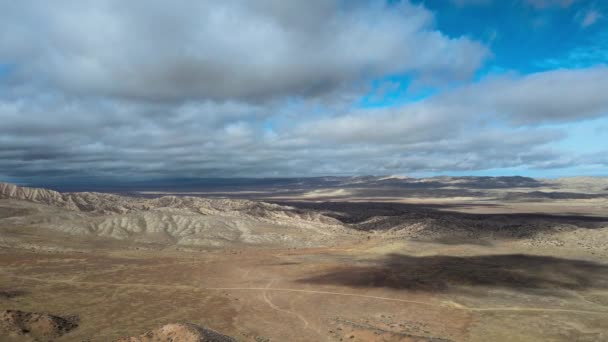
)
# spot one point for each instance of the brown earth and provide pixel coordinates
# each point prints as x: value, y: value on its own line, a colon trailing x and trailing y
x: 324, y: 294
x: 384, y: 272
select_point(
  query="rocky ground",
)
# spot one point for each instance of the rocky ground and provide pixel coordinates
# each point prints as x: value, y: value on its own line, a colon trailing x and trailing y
x: 20, y: 326
x: 183, y: 332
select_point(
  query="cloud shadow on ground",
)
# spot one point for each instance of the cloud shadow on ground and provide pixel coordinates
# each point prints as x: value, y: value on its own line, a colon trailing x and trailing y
x: 442, y: 273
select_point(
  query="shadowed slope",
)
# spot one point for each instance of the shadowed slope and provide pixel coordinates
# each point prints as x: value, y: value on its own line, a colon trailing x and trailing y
x: 439, y: 273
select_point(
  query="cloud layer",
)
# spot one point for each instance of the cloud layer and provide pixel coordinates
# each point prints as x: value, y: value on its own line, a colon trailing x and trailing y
x: 268, y: 88
x: 221, y: 50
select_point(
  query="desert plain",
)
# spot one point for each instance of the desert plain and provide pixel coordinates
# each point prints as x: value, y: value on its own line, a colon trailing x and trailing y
x: 328, y: 259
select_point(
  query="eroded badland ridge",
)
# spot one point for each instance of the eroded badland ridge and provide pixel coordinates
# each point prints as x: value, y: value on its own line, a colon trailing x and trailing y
x: 170, y: 219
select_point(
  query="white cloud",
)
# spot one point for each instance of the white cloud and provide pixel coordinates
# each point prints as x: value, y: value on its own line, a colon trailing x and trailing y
x: 157, y: 51
x: 559, y: 95
x: 513, y: 100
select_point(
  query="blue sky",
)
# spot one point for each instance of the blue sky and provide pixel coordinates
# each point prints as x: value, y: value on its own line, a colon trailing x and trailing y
x: 528, y: 39
x: 148, y: 89
x: 524, y: 37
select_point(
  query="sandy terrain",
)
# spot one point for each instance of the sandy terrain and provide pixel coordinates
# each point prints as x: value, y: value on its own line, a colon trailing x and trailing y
x: 387, y: 272
x: 372, y: 292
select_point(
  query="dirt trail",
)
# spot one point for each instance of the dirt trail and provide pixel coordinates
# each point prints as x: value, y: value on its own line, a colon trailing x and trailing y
x: 272, y: 305
x: 449, y: 304
x: 268, y: 301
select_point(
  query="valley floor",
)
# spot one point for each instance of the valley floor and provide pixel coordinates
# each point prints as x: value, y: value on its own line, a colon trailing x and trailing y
x: 364, y: 291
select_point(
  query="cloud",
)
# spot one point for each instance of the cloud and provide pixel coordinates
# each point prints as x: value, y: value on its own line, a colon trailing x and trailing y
x: 542, y: 98
x: 493, y: 123
x: 226, y: 50
x: 554, y: 96
x: 106, y: 89
x: 589, y: 18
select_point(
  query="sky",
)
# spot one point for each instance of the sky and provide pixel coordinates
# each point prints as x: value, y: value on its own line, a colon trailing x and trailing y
x: 137, y: 90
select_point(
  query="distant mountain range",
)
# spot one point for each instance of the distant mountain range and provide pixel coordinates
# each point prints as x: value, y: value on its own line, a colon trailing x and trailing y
x: 267, y: 184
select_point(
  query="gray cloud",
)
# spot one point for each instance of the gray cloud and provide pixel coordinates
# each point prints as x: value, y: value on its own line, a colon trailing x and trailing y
x: 548, y: 97
x: 267, y: 88
x: 220, y: 139
x: 65, y: 136
x: 152, y: 50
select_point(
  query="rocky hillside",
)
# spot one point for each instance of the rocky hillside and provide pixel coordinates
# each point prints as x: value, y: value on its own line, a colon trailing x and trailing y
x: 185, y: 332
x: 18, y: 325
x: 79, y: 201
x: 107, y: 204
x: 184, y: 220
x: 195, y: 221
